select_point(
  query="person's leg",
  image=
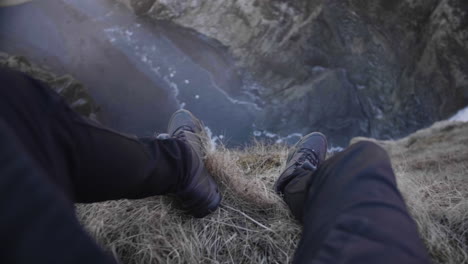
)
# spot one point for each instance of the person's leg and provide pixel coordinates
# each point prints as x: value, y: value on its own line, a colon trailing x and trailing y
x: 110, y: 165
x: 37, y: 223
x: 87, y: 161
x: 354, y: 213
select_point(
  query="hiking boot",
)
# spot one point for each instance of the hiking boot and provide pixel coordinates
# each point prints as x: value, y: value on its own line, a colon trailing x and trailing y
x: 303, y: 160
x: 199, y: 192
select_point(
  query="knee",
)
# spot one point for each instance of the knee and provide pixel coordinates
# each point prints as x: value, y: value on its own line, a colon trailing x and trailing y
x: 362, y: 158
x: 367, y: 148
x: 365, y: 152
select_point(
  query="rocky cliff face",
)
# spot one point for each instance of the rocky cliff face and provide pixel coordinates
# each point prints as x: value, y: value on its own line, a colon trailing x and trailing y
x: 380, y: 68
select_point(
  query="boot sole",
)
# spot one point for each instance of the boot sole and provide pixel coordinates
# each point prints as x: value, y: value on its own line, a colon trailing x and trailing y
x: 201, y: 134
x: 197, y: 121
x: 305, y: 138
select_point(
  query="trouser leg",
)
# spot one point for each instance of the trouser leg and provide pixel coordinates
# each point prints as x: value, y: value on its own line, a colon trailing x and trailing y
x: 37, y: 222
x: 354, y: 213
x: 85, y: 160
x: 114, y: 166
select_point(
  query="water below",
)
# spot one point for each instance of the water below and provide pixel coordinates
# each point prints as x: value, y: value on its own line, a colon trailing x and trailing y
x: 139, y: 71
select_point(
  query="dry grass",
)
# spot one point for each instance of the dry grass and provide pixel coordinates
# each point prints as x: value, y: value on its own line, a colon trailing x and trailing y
x: 251, y: 226
x: 254, y: 226
x: 432, y: 172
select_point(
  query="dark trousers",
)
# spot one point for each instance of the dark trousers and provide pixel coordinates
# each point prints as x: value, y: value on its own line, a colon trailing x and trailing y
x: 51, y: 157
x: 87, y: 161
x: 354, y: 212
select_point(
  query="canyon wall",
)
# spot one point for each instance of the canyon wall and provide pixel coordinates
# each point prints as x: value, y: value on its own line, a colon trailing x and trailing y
x: 379, y: 68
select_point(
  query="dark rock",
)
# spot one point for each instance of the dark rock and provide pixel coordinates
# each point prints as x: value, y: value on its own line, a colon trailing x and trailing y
x: 393, y: 66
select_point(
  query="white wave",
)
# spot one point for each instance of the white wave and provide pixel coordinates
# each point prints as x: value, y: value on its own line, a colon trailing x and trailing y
x: 278, y: 138
x: 333, y: 150
x: 287, y: 138
x: 462, y: 115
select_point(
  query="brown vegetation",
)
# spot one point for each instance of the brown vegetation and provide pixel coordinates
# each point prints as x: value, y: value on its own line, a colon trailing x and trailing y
x: 254, y: 226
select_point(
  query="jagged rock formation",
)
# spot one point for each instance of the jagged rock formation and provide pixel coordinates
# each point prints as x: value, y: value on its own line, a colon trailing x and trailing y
x: 73, y: 91
x: 381, y: 68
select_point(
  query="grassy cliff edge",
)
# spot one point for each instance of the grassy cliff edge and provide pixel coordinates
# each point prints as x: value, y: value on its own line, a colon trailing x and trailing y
x: 254, y: 226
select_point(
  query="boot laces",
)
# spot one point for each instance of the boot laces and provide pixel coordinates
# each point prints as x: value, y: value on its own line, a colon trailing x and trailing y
x: 308, y: 155
x: 180, y: 132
